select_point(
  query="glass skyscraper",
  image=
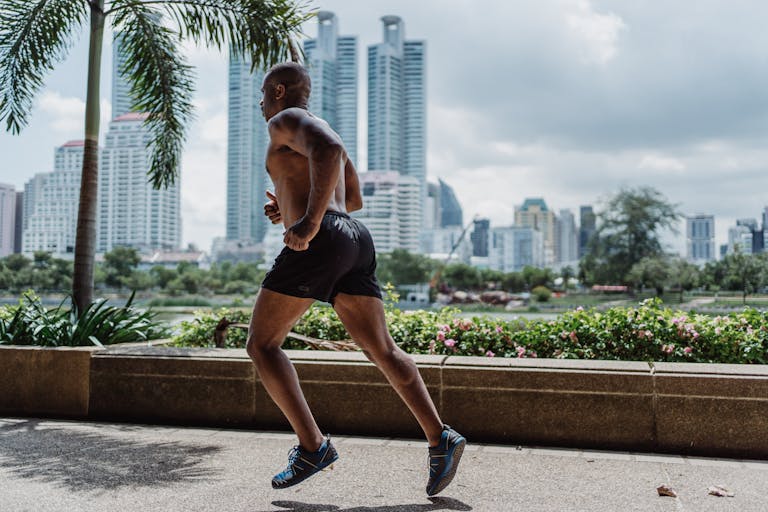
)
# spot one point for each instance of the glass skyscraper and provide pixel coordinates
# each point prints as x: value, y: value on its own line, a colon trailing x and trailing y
x: 332, y: 63
x: 247, y: 140
x: 397, y: 104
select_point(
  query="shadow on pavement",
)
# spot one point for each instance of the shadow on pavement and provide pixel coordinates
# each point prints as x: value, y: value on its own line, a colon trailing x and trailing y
x: 89, y: 461
x: 437, y: 504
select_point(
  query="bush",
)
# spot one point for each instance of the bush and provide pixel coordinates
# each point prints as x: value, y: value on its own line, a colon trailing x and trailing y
x: 31, y: 323
x: 542, y: 293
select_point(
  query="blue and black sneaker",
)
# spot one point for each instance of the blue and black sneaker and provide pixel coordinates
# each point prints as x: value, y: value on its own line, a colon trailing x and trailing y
x: 303, y: 464
x: 444, y: 459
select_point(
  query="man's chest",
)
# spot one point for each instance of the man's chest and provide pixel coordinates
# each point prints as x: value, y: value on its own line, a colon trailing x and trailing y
x: 285, y: 161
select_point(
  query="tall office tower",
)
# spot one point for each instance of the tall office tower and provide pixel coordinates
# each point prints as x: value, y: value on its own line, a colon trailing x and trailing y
x: 432, y: 206
x: 7, y: 219
x: 765, y: 229
x: 450, y: 209
x: 50, y: 204
x: 332, y: 64
x: 390, y: 203
x: 451, y: 240
x: 567, y: 237
x: 757, y: 233
x: 700, y: 237
x: 247, y: 179
x: 131, y: 212
x: 534, y: 214
x: 587, y: 228
x: 513, y: 248
x: 740, y: 239
x: 19, y: 227
x: 121, y: 90
x: 397, y: 106
x: 479, y: 237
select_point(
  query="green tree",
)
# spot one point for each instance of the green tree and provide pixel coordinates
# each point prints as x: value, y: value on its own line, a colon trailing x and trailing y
x: 513, y: 282
x: 684, y: 276
x: 461, y: 276
x: 650, y: 272
x: 533, y: 277
x: 119, y: 263
x: 35, y: 36
x: 402, y: 267
x: 744, y: 272
x: 629, y: 227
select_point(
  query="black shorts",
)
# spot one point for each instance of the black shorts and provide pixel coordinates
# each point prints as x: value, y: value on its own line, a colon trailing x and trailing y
x: 340, y: 259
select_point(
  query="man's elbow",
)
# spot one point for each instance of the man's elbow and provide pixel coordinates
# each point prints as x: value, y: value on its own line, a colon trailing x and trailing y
x: 354, y: 204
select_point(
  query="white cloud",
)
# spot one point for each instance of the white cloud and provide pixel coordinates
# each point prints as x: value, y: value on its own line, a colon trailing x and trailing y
x: 598, y: 33
x: 661, y: 163
x: 67, y: 114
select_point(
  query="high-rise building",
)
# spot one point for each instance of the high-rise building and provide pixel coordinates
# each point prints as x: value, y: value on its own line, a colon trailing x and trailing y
x: 390, y: 201
x: 700, y: 237
x: 131, y: 212
x: 450, y: 210
x: 121, y: 90
x: 567, y: 237
x: 247, y: 140
x: 480, y: 237
x: 51, y: 202
x: 441, y: 242
x: 513, y: 248
x: 587, y: 228
x: 740, y: 239
x: 432, y: 206
x: 19, y: 223
x: 758, y: 244
x: 397, y: 106
x: 332, y: 63
x: 534, y: 214
x: 7, y: 219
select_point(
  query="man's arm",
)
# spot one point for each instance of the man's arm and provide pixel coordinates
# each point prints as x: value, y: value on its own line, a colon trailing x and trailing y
x: 352, y: 194
x: 323, y: 148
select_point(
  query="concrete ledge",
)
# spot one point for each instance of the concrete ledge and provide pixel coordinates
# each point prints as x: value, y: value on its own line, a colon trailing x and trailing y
x: 679, y: 408
x: 45, y: 381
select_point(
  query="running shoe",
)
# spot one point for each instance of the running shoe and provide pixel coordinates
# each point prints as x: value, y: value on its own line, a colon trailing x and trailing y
x: 444, y: 459
x: 302, y: 464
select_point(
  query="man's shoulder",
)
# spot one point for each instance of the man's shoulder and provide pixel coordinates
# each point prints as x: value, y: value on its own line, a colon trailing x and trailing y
x: 290, y: 118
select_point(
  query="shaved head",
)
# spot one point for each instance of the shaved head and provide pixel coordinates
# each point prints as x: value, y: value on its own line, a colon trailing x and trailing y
x: 294, y: 77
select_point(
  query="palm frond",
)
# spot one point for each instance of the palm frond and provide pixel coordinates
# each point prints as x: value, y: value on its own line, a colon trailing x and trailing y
x: 34, y: 37
x: 161, y: 83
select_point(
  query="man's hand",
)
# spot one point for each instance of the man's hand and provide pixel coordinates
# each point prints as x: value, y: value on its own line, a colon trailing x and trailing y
x: 298, y: 236
x: 272, y: 209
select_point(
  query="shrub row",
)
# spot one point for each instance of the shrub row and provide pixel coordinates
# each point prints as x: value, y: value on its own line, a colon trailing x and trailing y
x: 647, y: 332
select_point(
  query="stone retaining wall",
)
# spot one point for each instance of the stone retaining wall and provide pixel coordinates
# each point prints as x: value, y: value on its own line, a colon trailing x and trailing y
x: 663, y: 407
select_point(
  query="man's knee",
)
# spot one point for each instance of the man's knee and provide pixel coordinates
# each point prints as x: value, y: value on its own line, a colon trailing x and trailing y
x: 257, y: 346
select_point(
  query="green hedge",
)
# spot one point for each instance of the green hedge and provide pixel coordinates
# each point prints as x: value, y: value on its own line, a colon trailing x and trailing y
x: 648, y: 332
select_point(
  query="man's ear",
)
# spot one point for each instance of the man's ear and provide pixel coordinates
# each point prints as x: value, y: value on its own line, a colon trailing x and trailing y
x: 279, y: 91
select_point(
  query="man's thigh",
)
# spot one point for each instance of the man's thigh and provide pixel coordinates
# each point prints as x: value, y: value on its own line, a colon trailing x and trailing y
x: 274, y: 314
x: 363, y: 317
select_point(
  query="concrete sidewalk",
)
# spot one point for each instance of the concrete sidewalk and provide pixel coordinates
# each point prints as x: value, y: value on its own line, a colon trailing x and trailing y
x: 50, y: 465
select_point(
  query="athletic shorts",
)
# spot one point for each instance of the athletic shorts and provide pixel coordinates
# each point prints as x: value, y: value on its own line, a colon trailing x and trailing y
x: 340, y: 259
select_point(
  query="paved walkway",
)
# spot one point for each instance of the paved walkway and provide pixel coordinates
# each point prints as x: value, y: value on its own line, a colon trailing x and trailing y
x: 78, y: 466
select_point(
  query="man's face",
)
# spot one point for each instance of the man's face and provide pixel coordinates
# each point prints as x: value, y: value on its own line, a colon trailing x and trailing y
x: 269, y: 103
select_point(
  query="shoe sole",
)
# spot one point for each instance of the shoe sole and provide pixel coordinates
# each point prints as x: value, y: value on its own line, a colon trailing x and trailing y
x: 448, y: 478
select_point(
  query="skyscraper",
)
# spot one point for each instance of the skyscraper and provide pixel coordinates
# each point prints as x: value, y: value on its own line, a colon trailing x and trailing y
x: 51, y: 201
x: 513, y: 248
x: 567, y: 237
x: 700, y: 237
x: 587, y: 228
x: 7, y: 219
x: 450, y: 209
x: 121, y: 90
x: 131, y: 212
x: 247, y: 179
x: 479, y: 237
x: 18, y: 229
x: 332, y: 63
x: 535, y: 214
x: 389, y: 202
x: 397, y: 105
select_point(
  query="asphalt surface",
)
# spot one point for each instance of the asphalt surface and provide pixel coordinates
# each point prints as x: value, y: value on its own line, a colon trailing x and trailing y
x: 48, y: 465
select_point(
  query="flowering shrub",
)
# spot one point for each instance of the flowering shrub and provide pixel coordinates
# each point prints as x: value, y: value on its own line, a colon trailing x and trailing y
x: 648, y: 332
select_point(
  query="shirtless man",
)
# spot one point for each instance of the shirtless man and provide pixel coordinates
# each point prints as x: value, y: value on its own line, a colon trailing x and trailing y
x: 329, y: 257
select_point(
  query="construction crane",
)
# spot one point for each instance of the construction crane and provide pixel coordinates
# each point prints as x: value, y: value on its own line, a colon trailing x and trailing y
x: 436, y: 276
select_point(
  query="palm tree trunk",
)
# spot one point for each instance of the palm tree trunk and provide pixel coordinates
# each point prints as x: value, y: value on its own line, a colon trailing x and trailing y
x: 85, y: 240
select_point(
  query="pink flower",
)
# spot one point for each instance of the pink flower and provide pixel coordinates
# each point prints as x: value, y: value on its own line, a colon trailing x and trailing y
x: 450, y: 342
x: 520, y: 351
x: 667, y: 349
x: 432, y: 347
x: 579, y: 308
x: 688, y: 350
x: 456, y: 322
x: 574, y: 337
x: 445, y: 327
x: 648, y: 334
x: 499, y: 329
x: 490, y: 354
x: 641, y: 334
x: 466, y: 325
x: 718, y: 330
x: 440, y: 336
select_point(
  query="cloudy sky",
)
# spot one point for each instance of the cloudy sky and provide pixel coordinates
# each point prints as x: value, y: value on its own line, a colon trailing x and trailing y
x: 568, y: 100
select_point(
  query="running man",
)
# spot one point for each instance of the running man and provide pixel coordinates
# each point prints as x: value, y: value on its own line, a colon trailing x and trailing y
x: 328, y: 257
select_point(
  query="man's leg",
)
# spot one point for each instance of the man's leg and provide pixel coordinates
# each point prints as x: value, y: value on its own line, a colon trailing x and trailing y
x: 364, y: 319
x: 274, y: 314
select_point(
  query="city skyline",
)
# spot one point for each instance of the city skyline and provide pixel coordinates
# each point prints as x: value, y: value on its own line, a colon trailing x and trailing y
x: 588, y: 105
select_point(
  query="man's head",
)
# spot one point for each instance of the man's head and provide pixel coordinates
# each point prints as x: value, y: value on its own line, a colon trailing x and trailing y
x: 285, y: 85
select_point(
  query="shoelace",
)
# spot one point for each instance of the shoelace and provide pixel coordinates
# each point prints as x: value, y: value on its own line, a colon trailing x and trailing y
x: 293, y: 456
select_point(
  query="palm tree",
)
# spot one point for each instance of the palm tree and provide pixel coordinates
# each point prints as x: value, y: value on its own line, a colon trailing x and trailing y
x: 35, y: 35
